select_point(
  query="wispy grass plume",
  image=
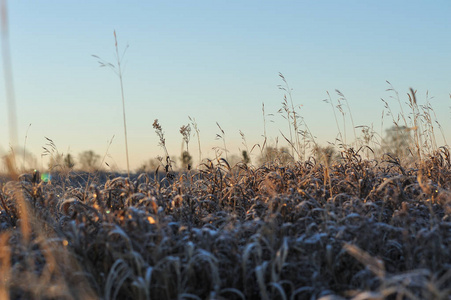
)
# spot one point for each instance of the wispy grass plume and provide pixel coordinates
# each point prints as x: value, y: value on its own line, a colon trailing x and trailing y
x: 196, y: 129
x: 222, y: 136
x: 160, y: 133
x: 118, y: 70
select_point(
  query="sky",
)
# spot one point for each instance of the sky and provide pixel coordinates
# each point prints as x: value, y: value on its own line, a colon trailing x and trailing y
x: 217, y: 62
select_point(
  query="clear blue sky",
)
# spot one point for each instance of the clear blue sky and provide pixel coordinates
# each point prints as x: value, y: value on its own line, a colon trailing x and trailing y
x: 216, y: 61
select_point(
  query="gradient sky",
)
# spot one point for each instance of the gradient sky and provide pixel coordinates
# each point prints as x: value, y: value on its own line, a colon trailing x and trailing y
x: 216, y: 61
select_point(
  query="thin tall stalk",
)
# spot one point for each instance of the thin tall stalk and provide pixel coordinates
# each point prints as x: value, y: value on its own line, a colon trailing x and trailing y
x: 343, y: 99
x: 288, y: 90
x: 9, y: 86
x: 123, y: 100
x: 219, y: 136
x: 193, y: 122
x: 160, y: 133
x: 118, y: 70
x: 392, y: 89
x: 335, y: 115
x: 25, y: 147
x: 264, y: 131
x: 264, y: 120
x: 416, y: 125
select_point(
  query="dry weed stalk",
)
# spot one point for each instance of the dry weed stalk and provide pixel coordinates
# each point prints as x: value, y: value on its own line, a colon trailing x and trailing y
x: 118, y: 70
x: 292, y: 116
x: 196, y: 129
x: 222, y: 136
x: 8, y: 76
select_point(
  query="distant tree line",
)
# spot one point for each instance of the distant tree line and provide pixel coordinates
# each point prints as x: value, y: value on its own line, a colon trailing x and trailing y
x: 87, y: 161
x: 398, y: 141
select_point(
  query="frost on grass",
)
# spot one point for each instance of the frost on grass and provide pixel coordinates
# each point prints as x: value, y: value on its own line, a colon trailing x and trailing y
x: 354, y: 229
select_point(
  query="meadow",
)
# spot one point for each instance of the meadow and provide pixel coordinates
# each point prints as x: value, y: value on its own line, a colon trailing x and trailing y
x: 343, y: 222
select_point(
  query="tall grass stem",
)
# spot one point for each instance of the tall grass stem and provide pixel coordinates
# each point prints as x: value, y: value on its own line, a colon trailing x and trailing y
x: 8, y: 75
x: 123, y: 101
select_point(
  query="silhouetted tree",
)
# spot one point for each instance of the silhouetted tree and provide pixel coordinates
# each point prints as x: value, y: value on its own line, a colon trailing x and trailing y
x: 398, y: 140
x: 186, y: 160
x: 150, y: 165
x: 246, y: 158
x: 325, y: 155
x: 89, y: 160
x: 278, y: 155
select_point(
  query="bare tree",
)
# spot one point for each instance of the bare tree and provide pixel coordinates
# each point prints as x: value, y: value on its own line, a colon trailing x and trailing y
x: 150, y: 165
x: 186, y: 159
x: 398, y: 140
x: 278, y: 155
x: 89, y: 161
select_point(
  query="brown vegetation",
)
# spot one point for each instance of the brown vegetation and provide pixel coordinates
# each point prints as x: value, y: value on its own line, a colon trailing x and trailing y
x: 360, y: 228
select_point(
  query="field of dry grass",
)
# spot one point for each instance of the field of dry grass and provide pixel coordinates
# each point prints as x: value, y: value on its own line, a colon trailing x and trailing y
x: 360, y: 229
x: 355, y: 227
x: 365, y: 225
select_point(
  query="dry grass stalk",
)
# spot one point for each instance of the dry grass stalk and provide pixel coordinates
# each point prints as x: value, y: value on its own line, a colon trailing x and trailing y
x: 196, y: 129
x: 8, y: 76
x: 118, y: 70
